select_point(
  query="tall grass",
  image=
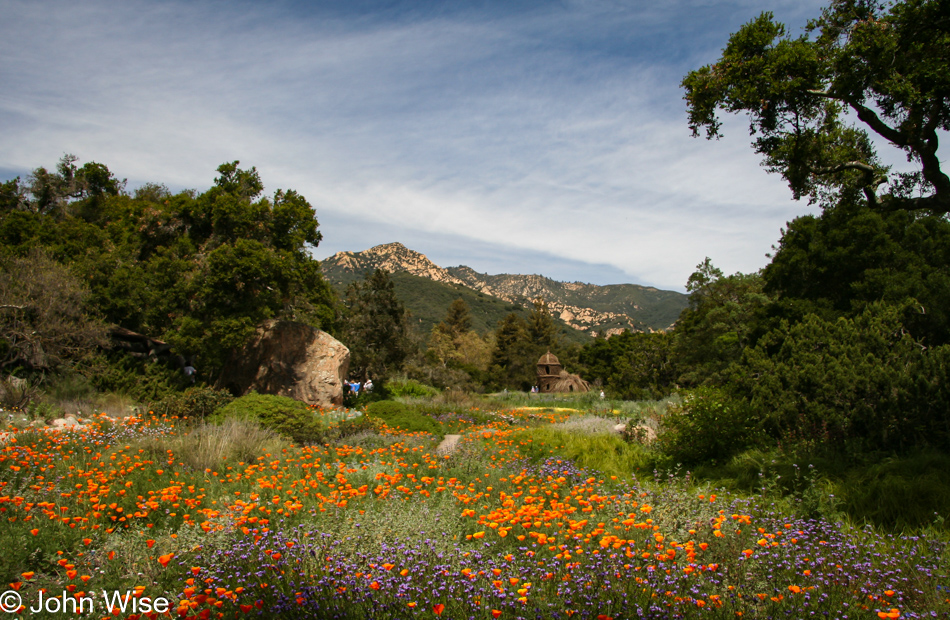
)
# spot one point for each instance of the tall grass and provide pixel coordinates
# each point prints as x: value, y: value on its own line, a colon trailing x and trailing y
x: 205, y: 446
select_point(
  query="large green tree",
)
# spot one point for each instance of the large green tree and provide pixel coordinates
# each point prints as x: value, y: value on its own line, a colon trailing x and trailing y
x: 813, y: 101
x: 630, y: 365
x: 375, y: 327
x: 850, y: 256
x: 848, y: 350
x: 199, y: 270
x: 511, y: 364
x: 719, y: 323
x: 453, y: 342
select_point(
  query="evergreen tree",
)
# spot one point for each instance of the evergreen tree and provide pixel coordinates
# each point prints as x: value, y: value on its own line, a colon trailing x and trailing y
x: 512, y: 365
x: 453, y: 341
x: 542, y: 332
x: 721, y: 320
x: 457, y: 321
x: 375, y: 327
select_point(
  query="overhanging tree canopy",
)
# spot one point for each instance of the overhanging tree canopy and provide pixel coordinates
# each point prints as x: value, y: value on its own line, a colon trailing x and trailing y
x: 886, y: 65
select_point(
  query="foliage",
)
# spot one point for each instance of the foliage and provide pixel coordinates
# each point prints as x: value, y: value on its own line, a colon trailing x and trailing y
x: 454, y: 344
x: 69, y: 188
x: 398, y: 415
x: 409, y: 388
x: 200, y: 271
x: 194, y: 402
x: 719, y: 323
x: 208, y: 446
x: 855, y: 384
x: 350, y: 529
x: 387, y: 409
x: 375, y: 327
x: 708, y: 425
x: 606, y: 453
x: 631, y: 366
x: 542, y: 332
x: 883, y: 64
x: 837, y: 263
x: 45, y: 316
x: 16, y: 392
x: 895, y: 493
x: 282, y: 415
x: 142, y: 380
x: 512, y: 364
x: 519, y: 343
x: 72, y: 386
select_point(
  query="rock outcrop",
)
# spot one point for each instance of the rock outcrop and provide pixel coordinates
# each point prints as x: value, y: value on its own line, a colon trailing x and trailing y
x: 392, y: 257
x: 289, y: 359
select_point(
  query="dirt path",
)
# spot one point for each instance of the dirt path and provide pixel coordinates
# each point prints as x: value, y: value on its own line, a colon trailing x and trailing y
x: 448, y: 445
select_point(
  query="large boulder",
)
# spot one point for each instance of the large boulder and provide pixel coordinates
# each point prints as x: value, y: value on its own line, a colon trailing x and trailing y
x: 289, y: 359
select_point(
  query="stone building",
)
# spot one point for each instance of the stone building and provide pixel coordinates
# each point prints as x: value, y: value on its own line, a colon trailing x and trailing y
x: 553, y: 378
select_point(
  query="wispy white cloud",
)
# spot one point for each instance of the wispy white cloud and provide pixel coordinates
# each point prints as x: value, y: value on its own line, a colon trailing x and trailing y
x: 509, y: 135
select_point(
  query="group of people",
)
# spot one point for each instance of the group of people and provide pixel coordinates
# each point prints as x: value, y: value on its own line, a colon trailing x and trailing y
x: 356, y: 386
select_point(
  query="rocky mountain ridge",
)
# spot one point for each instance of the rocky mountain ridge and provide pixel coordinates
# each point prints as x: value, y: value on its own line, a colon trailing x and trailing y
x: 589, y: 308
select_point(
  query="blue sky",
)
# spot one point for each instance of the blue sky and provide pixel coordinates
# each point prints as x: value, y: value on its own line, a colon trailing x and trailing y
x: 520, y: 137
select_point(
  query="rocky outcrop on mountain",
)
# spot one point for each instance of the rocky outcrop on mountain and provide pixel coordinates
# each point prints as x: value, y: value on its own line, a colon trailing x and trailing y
x: 289, y: 359
x: 569, y: 301
x: 589, y: 308
x: 392, y: 257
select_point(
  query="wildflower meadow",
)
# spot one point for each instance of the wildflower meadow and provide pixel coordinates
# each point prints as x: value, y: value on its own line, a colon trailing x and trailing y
x: 153, y: 516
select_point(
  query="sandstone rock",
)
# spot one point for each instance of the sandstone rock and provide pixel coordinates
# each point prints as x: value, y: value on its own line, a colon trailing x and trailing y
x: 289, y: 359
x: 67, y: 422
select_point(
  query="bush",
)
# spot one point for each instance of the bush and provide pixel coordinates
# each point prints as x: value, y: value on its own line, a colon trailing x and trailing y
x: 409, y: 388
x: 709, y: 424
x: 396, y: 414
x: 142, y: 380
x: 16, y: 393
x: 195, y: 402
x: 280, y: 414
x: 850, y: 385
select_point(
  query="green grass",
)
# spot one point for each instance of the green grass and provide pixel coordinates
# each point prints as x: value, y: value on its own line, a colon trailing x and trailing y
x: 604, y: 452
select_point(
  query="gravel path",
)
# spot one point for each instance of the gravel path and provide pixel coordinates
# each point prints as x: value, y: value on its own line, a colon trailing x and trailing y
x: 448, y: 445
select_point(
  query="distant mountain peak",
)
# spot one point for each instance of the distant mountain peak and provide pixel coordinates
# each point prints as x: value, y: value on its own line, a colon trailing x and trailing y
x: 393, y: 257
x: 589, y: 308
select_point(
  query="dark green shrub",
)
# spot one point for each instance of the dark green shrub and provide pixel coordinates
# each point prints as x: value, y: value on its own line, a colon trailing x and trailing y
x: 856, y: 385
x: 142, y: 380
x: 410, y: 388
x: 195, y: 402
x: 709, y: 424
x: 398, y: 415
x: 280, y: 414
x: 386, y: 409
